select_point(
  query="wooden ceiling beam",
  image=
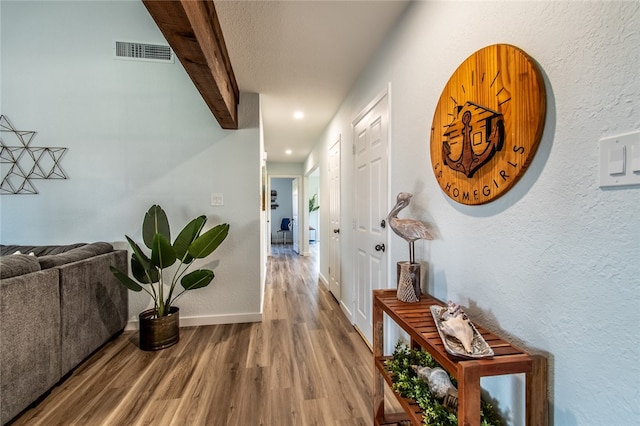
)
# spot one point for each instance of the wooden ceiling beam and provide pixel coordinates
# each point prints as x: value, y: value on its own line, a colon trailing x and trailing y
x: 193, y: 31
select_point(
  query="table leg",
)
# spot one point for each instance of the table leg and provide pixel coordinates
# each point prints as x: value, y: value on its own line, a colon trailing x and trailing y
x: 537, y: 400
x: 378, y: 380
x: 468, y: 394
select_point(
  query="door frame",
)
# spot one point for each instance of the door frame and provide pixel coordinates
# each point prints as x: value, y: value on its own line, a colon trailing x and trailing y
x: 333, y: 213
x: 296, y: 215
x: 307, y: 214
x: 301, y: 207
x: 386, y: 92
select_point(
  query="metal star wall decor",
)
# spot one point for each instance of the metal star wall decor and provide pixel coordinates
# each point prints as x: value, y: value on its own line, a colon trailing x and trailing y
x: 19, y: 164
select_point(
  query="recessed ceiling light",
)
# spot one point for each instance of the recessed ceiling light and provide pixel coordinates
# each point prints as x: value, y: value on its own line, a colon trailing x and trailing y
x: 288, y: 152
x: 298, y: 115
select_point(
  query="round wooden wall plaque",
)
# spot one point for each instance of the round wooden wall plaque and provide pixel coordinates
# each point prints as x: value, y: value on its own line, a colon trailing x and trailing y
x: 487, y: 124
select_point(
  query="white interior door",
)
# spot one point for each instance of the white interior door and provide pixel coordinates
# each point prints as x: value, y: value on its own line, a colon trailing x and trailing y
x: 334, y: 217
x: 294, y: 216
x: 267, y: 229
x: 371, y: 199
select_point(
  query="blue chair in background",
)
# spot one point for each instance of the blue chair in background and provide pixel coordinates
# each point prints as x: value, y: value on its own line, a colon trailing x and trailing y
x: 285, y: 226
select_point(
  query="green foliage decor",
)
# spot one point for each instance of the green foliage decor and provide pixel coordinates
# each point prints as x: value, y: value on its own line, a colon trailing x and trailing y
x: 409, y: 385
x: 313, y: 206
x: 149, y: 271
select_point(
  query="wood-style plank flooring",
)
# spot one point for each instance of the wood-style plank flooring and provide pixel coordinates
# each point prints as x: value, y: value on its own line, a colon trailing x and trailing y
x: 304, y: 364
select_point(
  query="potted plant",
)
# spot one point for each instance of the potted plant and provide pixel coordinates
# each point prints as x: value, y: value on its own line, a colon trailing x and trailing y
x: 313, y: 203
x: 160, y: 326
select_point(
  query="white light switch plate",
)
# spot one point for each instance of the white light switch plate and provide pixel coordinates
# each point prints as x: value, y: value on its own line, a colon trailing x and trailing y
x: 217, y: 199
x: 620, y: 160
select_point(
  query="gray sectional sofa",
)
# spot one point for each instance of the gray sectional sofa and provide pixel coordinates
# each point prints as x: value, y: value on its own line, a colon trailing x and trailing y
x: 57, y: 306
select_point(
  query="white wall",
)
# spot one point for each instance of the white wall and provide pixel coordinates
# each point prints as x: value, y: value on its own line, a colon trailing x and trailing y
x: 284, y: 169
x: 137, y: 133
x: 555, y: 263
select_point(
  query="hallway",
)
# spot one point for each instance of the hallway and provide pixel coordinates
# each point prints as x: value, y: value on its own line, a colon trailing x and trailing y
x: 303, y: 365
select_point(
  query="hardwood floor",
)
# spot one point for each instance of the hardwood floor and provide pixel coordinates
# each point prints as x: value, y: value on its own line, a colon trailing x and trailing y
x: 304, y: 364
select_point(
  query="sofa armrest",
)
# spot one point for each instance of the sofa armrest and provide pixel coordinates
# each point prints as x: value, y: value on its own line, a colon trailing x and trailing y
x: 93, y: 306
x: 30, y: 339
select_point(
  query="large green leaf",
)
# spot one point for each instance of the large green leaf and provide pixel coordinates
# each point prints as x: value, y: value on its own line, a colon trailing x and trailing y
x: 206, y: 243
x: 142, y: 258
x: 186, y: 237
x: 197, y: 279
x: 145, y: 276
x: 162, y: 253
x: 155, y: 222
x: 124, y: 279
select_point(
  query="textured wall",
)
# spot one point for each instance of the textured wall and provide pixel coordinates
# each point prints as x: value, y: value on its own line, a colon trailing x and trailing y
x: 555, y: 263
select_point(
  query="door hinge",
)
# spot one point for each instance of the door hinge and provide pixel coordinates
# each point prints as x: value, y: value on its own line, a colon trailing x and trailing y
x: 353, y: 148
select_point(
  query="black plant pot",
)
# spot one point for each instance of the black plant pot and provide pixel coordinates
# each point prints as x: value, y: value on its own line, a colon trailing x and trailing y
x: 161, y: 332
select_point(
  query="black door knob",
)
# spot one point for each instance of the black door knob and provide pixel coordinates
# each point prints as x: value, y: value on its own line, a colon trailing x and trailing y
x: 380, y: 247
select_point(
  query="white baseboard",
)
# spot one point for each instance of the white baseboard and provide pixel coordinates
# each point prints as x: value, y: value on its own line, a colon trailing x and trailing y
x: 323, y: 280
x: 346, y: 311
x: 208, y: 320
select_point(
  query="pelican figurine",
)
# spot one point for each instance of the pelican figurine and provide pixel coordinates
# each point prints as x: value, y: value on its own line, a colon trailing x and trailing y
x: 408, y: 229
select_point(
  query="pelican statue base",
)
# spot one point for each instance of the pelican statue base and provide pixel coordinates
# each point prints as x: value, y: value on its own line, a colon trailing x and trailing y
x: 410, y: 230
x: 408, y: 282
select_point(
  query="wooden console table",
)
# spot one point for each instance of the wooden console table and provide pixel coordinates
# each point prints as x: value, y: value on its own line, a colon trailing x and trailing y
x: 416, y: 320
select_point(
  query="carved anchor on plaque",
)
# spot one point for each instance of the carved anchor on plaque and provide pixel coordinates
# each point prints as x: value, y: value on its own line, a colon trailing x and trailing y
x: 473, y: 138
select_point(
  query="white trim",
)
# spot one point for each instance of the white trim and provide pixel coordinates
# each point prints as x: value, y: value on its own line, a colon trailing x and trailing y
x: 347, y: 312
x: 323, y: 280
x: 391, y: 200
x: 208, y: 320
x: 385, y: 92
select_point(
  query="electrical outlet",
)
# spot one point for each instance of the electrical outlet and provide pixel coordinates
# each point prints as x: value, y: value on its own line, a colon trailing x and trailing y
x: 217, y: 199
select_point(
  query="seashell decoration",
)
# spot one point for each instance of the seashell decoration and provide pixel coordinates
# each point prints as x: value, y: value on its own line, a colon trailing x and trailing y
x: 459, y: 328
x: 459, y: 336
x: 437, y: 379
x: 452, y: 310
x: 456, y: 324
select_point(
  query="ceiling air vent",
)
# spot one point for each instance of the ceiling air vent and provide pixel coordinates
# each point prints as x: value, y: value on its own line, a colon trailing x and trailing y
x: 143, y: 52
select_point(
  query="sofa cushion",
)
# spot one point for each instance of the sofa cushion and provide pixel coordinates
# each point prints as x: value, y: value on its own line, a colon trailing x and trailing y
x: 79, y: 253
x: 18, y: 264
x: 30, y: 339
x: 38, y: 250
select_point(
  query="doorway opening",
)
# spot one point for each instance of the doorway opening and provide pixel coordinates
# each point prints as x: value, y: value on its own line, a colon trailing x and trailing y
x: 281, y: 211
x: 314, y: 202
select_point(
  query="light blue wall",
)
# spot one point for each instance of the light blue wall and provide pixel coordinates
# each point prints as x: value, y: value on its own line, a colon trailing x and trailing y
x: 137, y: 133
x: 554, y: 264
x: 285, y: 207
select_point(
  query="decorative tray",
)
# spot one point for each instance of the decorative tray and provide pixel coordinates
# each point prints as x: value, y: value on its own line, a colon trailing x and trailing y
x: 479, y: 347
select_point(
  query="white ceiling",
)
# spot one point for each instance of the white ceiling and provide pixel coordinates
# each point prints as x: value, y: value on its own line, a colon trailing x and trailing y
x: 301, y: 55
